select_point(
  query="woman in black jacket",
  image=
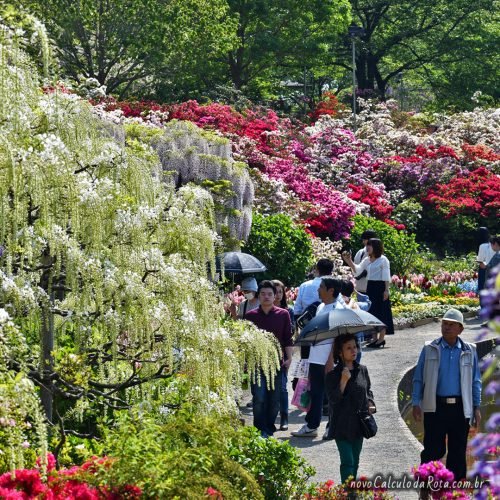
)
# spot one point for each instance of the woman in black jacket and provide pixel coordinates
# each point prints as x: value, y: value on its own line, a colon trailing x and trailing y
x: 349, y: 391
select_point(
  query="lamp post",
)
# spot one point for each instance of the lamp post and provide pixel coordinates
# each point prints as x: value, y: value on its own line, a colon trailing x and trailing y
x: 354, y: 31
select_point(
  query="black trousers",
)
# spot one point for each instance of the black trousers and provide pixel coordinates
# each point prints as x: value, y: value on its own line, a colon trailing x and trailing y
x: 447, y: 421
x: 317, y: 380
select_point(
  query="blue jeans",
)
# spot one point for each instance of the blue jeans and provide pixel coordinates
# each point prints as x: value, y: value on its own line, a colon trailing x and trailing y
x: 266, y: 403
x: 317, y: 380
x: 284, y: 392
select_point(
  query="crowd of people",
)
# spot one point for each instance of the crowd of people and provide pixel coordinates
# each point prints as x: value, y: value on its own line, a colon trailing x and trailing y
x: 447, y: 383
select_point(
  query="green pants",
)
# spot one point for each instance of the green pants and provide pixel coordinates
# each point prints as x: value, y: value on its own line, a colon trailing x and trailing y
x: 349, y: 457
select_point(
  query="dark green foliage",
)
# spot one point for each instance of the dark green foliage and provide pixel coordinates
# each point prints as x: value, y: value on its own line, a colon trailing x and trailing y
x: 455, y: 235
x: 399, y: 246
x: 197, y: 49
x: 284, y: 247
x: 404, y: 36
x: 128, y: 45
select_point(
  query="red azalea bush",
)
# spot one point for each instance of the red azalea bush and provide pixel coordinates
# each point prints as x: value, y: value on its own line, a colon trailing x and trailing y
x: 138, y: 108
x: 478, y: 152
x: 75, y: 483
x: 371, y: 196
x: 213, y: 493
x: 434, y: 152
x: 476, y: 193
x: 329, y: 105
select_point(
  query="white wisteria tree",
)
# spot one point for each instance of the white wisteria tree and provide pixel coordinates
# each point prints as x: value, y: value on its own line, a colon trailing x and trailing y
x: 104, y: 265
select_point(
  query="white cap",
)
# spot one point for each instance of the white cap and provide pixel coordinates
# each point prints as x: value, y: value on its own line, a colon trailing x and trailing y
x: 454, y: 315
x: 249, y: 284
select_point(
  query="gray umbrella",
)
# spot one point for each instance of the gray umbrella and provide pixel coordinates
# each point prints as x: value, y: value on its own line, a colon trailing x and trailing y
x: 239, y: 263
x: 336, y: 322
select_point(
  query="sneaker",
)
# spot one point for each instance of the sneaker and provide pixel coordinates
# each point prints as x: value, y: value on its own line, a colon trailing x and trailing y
x: 304, y: 431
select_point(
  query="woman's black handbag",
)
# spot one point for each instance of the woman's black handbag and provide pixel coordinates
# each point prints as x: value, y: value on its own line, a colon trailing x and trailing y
x: 368, y: 425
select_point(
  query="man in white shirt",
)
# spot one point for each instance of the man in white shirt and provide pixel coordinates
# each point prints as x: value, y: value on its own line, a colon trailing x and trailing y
x: 329, y: 292
x: 361, y: 282
x: 308, y: 291
x: 307, y: 295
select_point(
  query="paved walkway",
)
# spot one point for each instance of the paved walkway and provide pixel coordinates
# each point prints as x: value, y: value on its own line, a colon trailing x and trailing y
x: 394, y: 450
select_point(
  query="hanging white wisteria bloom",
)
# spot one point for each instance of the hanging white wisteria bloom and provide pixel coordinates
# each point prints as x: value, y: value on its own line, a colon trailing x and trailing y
x: 104, y: 249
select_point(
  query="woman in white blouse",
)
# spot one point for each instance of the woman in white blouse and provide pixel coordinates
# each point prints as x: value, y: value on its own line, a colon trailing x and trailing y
x: 378, y: 271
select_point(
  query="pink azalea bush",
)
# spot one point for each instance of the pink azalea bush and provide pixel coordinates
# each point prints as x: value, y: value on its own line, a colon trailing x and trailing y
x: 335, y: 212
x: 75, y: 483
x: 439, y: 481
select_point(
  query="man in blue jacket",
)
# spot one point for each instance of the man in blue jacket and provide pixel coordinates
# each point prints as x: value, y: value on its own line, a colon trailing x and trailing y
x: 447, y: 390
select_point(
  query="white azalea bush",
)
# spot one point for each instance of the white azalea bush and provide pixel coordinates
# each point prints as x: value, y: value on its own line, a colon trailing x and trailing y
x: 102, y: 251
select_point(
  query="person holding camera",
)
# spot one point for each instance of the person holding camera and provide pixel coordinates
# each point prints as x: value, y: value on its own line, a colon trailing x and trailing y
x: 362, y: 280
x: 378, y: 274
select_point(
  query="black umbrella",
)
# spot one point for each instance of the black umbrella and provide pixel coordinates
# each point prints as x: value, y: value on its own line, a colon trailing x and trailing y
x: 335, y: 323
x: 239, y: 263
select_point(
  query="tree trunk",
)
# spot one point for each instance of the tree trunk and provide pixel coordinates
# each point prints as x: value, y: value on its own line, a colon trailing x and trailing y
x: 47, y: 361
x: 362, y: 72
x: 381, y: 83
x: 235, y: 60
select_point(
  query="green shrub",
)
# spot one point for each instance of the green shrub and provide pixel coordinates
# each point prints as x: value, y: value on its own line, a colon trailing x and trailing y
x: 408, y: 212
x: 455, y: 235
x: 177, y: 459
x: 284, y: 247
x: 428, y: 264
x: 278, y: 467
x: 189, y: 453
x: 400, y: 247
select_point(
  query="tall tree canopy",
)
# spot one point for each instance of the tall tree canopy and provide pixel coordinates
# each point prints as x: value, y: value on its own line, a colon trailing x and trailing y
x: 287, y: 34
x: 403, y: 35
x: 127, y: 42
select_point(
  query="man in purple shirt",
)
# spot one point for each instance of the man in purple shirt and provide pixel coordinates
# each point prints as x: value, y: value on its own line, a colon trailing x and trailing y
x: 266, y: 401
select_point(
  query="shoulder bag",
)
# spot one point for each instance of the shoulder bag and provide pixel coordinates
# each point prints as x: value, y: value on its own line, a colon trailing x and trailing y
x: 368, y: 425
